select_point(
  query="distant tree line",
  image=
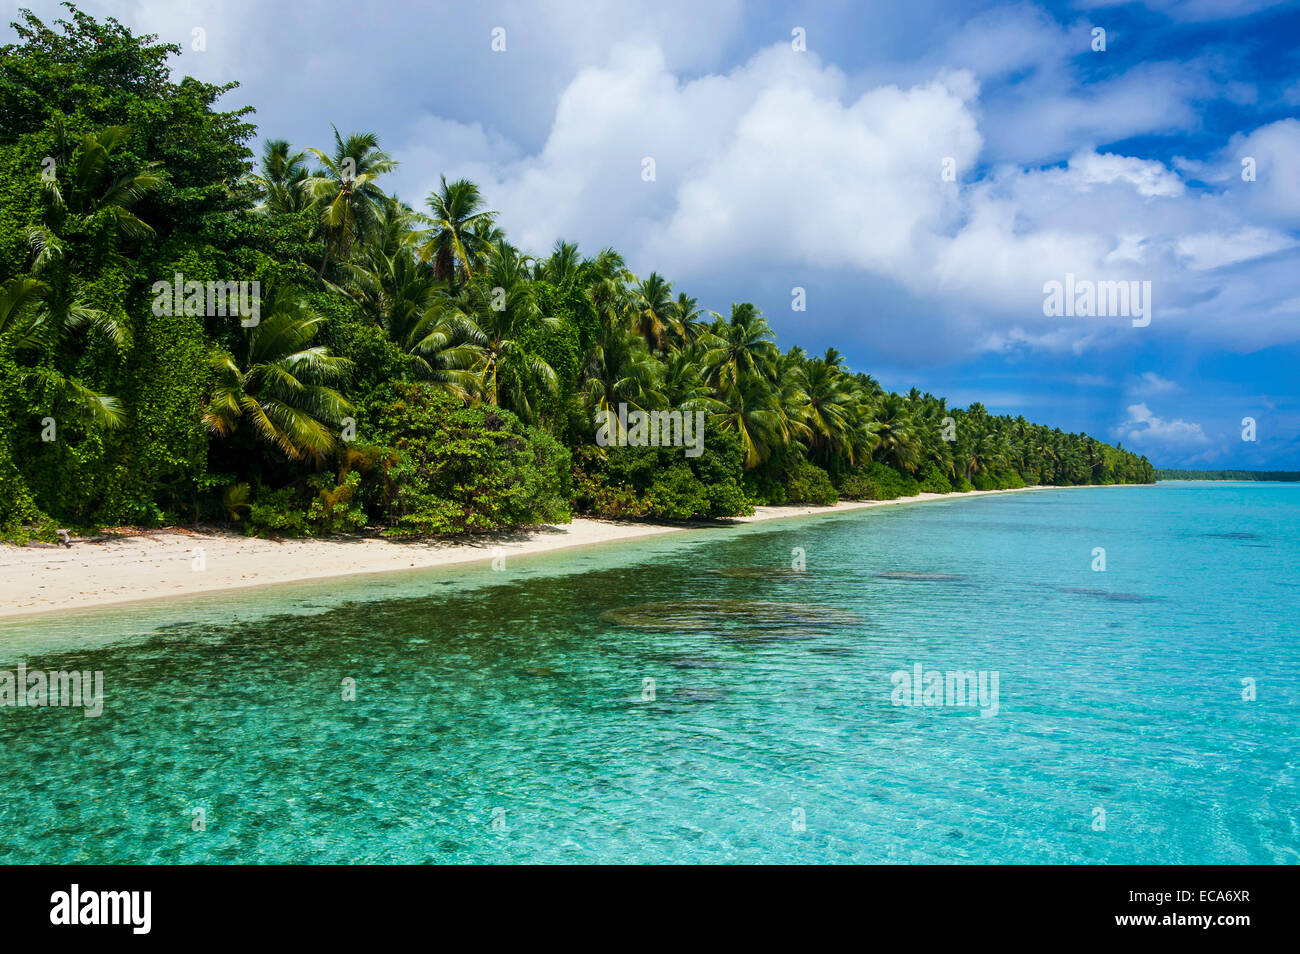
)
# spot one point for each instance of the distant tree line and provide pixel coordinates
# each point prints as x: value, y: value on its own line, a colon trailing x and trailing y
x: 1285, y: 475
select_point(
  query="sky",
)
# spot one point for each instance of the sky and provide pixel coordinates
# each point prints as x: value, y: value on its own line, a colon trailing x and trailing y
x: 920, y: 170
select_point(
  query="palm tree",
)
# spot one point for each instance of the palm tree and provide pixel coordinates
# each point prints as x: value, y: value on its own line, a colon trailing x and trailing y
x: 605, y: 279
x: 29, y: 321
x: 788, y: 382
x: 864, y: 432
x: 683, y: 385
x: 743, y: 347
x: 347, y: 192
x: 979, y: 453
x: 282, y: 176
x: 621, y: 370
x: 91, y: 192
x: 685, y: 321
x: 19, y: 300
x: 441, y: 345
x: 749, y: 410
x: 394, y: 229
x: 897, y: 441
x: 456, y: 238
x: 278, y: 382
x: 828, y: 411
x: 834, y: 360
x: 484, y: 233
x: 38, y: 314
x: 653, y: 310
x: 563, y: 268
x: 400, y: 294
x: 503, y: 311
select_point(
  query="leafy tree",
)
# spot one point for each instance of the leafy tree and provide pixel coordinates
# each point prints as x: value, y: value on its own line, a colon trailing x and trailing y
x: 464, y: 468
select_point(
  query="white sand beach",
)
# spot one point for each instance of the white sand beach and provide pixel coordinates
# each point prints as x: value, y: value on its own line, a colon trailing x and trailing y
x: 180, y: 562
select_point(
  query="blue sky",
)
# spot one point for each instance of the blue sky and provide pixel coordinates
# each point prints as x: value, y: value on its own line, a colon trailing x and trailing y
x: 820, y: 168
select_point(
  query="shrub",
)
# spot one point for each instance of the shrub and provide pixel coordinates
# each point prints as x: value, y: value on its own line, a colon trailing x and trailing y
x: 661, y: 482
x: 275, y: 514
x: 462, y: 469
x: 877, y: 482
x: 933, y: 481
x: 335, y: 507
x: 765, y: 488
x: 854, y: 485
x: 806, y: 483
x: 1004, y: 481
x: 728, y: 499
x: 677, y: 494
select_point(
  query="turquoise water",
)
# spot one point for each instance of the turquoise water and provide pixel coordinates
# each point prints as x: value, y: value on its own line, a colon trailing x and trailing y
x: 500, y: 718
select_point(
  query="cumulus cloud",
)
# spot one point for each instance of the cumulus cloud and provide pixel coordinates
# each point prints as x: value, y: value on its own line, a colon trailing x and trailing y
x: 1256, y: 170
x: 369, y: 66
x: 775, y: 164
x: 1147, y: 177
x: 786, y: 166
x: 1145, y: 431
x: 775, y: 168
x: 1037, y: 106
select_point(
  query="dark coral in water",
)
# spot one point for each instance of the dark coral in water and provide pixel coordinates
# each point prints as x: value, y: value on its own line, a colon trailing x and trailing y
x: 774, y: 574
x: 743, y: 618
x: 1109, y: 595
x: 920, y: 577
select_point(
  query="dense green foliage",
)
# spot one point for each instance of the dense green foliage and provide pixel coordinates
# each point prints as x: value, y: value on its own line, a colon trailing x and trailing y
x: 660, y: 482
x: 463, y: 468
x: 1280, y: 475
x: 400, y: 369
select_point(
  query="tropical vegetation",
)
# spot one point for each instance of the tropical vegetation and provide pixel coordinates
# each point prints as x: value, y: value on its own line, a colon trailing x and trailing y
x: 411, y: 369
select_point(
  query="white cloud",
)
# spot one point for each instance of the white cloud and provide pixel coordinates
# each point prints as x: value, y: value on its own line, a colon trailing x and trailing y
x: 1151, y: 383
x: 781, y: 166
x: 1143, y: 430
x: 1148, y: 177
x: 1207, y: 250
x: 785, y: 170
x: 1273, y: 196
x: 370, y: 66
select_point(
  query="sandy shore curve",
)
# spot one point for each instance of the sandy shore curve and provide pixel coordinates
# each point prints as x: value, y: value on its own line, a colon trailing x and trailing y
x: 181, y: 561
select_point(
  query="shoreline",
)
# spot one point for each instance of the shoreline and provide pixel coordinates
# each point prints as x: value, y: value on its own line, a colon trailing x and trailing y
x: 35, y: 581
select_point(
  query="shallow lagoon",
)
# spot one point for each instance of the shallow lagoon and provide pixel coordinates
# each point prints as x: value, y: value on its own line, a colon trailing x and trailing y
x: 645, y: 702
